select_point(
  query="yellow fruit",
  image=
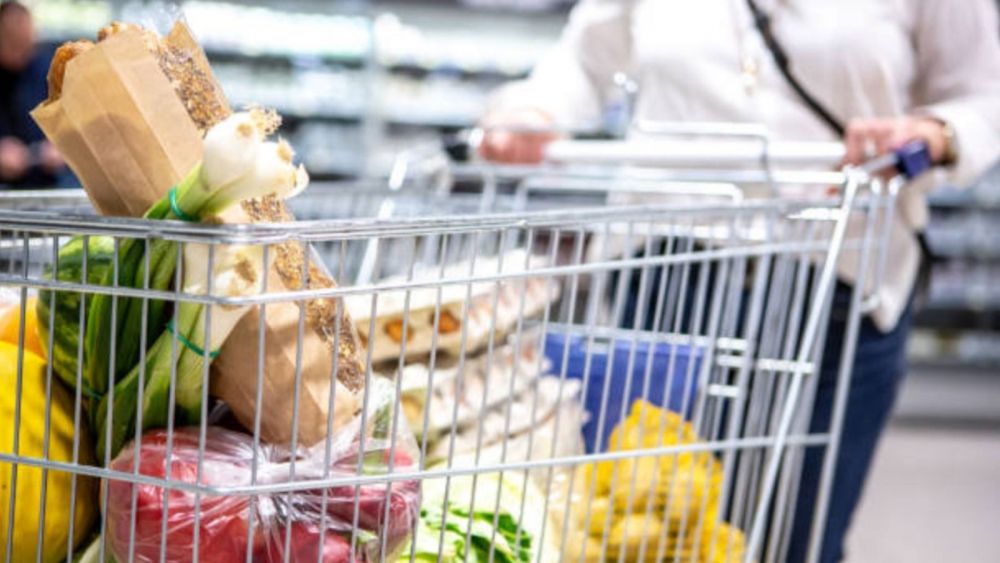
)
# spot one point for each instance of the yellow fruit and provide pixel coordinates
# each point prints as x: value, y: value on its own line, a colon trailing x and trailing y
x: 658, y: 427
x: 630, y: 532
x: 599, y: 508
x: 723, y: 543
x: 31, y: 441
x: 679, y: 492
x: 595, y: 478
x: 591, y: 551
x: 10, y: 324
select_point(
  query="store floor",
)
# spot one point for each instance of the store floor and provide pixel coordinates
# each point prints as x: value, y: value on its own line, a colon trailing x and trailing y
x: 934, y: 492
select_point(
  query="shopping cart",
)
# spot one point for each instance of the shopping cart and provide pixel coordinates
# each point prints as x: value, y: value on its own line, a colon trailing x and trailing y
x: 683, y: 336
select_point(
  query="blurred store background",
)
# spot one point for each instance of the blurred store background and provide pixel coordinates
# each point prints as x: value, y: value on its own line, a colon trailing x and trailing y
x: 357, y: 82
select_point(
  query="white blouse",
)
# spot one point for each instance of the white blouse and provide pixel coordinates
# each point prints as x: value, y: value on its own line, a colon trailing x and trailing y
x: 860, y: 58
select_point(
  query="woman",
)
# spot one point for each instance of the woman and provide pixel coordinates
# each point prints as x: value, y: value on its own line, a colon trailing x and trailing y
x: 891, y: 70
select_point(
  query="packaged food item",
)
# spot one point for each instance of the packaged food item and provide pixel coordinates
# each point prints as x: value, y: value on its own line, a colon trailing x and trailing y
x: 329, y: 339
x: 523, y: 427
x: 129, y: 113
x: 463, y: 314
x: 33, y: 443
x: 461, y: 393
x: 499, y: 410
x: 320, y: 521
x: 239, y: 163
x: 491, y: 400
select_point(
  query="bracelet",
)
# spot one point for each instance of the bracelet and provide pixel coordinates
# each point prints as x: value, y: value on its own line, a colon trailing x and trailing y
x: 950, y: 155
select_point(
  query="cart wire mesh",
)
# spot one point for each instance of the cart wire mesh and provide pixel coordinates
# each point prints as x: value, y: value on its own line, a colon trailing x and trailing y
x: 536, y: 376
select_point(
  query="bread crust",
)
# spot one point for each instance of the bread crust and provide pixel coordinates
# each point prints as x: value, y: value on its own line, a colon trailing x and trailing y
x: 202, y: 98
x: 196, y: 89
x: 57, y: 70
x: 321, y: 314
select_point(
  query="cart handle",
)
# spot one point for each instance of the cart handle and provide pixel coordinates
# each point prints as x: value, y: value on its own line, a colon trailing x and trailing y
x: 911, y: 160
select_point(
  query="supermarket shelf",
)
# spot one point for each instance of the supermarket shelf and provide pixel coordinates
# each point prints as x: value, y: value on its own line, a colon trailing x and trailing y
x: 358, y: 60
x: 243, y: 55
x: 978, y: 253
x: 465, y: 72
x: 972, y: 301
x: 952, y: 199
x: 980, y: 366
x: 434, y: 121
x: 964, y: 311
x: 964, y: 238
x: 216, y: 54
x: 333, y: 171
x: 956, y: 315
x: 497, y: 6
x: 983, y: 197
x: 950, y: 394
x: 947, y: 349
x: 293, y: 116
x: 341, y: 60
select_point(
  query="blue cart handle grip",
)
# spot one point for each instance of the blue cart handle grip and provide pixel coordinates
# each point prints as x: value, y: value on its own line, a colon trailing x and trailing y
x: 913, y: 159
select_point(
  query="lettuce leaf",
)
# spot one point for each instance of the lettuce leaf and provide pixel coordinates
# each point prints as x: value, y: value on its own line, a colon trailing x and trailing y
x: 471, y: 535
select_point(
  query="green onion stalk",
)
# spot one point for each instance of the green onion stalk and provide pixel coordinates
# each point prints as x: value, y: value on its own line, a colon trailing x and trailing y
x: 188, y: 343
x: 239, y: 163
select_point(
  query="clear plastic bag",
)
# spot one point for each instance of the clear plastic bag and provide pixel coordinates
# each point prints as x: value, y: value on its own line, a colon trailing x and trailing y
x: 306, y: 524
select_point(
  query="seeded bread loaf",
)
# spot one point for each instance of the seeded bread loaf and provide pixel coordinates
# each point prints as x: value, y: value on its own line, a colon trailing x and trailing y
x: 183, y: 63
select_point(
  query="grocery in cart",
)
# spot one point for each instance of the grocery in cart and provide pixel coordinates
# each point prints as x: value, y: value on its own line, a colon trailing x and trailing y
x: 205, y: 359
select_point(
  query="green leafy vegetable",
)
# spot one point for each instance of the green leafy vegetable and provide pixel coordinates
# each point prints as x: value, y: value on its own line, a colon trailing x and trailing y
x: 238, y: 164
x: 238, y: 270
x: 474, y: 529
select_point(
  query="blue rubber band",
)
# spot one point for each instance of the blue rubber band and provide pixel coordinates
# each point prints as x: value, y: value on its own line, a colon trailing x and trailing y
x: 188, y: 344
x: 172, y: 196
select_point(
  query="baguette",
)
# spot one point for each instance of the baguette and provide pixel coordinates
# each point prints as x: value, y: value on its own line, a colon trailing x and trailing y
x: 57, y: 70
x: 326, y: 322
x: 196, y: 88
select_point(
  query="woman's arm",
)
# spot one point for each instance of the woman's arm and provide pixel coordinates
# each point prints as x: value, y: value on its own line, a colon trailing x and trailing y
x: 958, y: 78
x: 956, y: 94
x: 567, y: 88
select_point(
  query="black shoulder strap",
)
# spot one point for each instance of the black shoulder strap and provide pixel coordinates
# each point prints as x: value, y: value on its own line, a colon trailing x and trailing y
x: 763, y: 23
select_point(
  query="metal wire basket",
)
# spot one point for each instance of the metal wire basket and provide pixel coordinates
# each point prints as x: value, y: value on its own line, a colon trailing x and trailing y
x: 563, y: 382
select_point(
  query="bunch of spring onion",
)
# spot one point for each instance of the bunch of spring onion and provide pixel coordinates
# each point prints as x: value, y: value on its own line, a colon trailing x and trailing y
x: 238, y: 163
x: 193, y: 336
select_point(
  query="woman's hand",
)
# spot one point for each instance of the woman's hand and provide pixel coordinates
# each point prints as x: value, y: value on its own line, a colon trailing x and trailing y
x: 14, y: 159
x: 50, y: 158
x: 867, y: 138
x: 516, y: 136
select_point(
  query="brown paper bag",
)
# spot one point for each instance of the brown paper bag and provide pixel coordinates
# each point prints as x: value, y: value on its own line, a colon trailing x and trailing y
x: 120, y: 126
x: 127, y: 134
x: 234, y: 372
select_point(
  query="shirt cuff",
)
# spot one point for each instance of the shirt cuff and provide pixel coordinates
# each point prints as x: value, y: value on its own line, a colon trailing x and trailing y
x: 976, y: 142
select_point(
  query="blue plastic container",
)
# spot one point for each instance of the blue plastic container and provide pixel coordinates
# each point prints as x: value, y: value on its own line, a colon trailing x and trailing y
x: 663, y: 390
